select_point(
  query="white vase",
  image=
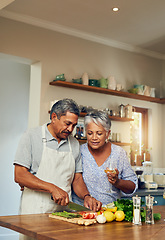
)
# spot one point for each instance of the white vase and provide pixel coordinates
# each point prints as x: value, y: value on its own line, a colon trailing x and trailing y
x: 152, y: 93
x: 85, y: 78
x: 111, y: 83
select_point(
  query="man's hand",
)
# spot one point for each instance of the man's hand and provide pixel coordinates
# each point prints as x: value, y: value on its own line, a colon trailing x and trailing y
x: 92, y: 203
x: 21, y: 187
x: 25, y: 179
x: 60, y: 196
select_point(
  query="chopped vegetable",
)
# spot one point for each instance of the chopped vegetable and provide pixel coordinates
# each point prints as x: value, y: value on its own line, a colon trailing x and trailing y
x: 89, y: 215
x: 67, y: 214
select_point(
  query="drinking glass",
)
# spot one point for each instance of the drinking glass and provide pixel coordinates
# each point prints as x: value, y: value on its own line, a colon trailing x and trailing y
x: 111, y: 168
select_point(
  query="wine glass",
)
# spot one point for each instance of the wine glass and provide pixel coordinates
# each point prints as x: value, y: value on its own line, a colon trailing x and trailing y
x: 111, y: 169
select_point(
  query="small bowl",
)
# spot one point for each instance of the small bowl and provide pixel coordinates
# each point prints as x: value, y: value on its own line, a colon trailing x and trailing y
x: 133, y: 90
x: 60, y: 77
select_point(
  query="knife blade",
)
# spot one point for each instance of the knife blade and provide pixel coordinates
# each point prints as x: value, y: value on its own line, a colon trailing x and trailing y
x: 76, y: 207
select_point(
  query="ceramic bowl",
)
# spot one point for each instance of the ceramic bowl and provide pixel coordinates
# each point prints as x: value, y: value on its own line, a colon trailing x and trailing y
x: 133, y: 90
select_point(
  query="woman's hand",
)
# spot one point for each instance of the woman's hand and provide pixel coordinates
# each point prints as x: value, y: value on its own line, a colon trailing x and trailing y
x: 91, y: 203
x: 113, y: 176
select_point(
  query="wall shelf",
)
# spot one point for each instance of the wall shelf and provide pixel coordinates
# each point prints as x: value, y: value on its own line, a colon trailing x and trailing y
x: 113, y: 118
x: 107, y: 91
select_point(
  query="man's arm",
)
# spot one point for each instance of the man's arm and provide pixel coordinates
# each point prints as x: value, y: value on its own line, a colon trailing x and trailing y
x: 24, y: 178
x: 81, y: 190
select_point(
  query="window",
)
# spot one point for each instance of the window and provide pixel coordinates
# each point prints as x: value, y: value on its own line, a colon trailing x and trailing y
x: 139, y: 135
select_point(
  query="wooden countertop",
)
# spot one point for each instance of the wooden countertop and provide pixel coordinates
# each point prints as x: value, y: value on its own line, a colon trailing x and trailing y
x: 40, y: 226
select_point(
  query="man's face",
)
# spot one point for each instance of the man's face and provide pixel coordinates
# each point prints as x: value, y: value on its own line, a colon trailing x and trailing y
x: 64, y: 126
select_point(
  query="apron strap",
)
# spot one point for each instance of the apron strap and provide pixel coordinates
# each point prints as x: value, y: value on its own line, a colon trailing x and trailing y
x: 44, y: 140
x: 69, y: 144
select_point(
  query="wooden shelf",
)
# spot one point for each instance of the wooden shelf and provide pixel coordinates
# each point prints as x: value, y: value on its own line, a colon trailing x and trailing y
x: 81, y: 141
x: 113, y: 118
x: 107, y: 91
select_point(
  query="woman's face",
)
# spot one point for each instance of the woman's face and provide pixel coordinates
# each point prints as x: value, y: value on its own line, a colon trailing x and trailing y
x: 96, y: 135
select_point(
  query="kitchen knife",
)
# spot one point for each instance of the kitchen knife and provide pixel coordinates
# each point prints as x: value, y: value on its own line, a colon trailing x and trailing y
x: 74, y: 207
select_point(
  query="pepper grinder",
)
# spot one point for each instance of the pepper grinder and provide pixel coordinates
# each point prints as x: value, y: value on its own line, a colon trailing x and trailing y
x: 149, y: 210
x: 136, y: 210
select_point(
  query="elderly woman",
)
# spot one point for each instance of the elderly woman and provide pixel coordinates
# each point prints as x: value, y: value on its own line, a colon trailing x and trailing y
x: 99, y: 156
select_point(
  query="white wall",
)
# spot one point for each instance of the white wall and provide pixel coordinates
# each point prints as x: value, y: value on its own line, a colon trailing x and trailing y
x: 14, y: 104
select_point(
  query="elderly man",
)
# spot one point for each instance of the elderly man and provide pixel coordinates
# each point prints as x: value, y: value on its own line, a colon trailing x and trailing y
x: 48, y: 163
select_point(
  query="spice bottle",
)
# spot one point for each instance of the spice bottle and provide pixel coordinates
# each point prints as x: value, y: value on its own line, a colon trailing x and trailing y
x: 149, y: 210
x: 136, y: 210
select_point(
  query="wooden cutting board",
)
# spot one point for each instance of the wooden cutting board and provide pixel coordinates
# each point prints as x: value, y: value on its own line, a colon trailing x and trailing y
x: 79, y: 221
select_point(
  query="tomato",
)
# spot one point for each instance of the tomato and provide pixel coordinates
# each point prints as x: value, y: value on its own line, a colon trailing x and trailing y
x: 89, y: 215
x: 81, y: 213
x: 85, y: 215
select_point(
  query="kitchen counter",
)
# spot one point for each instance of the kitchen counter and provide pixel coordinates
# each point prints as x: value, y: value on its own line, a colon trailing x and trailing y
x: 145, y: 191
x: 156, y: 193
x: 40, y: 226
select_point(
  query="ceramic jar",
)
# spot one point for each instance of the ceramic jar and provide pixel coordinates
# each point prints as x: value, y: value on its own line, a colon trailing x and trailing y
x: 111, y: 82
x: 85, y: 78
x: 152, y: 93
x: 103, y: 83
x: 147, y: 91
x: 128, y: 111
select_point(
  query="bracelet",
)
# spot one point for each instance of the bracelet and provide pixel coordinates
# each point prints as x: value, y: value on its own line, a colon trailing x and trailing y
x: 87, y: 195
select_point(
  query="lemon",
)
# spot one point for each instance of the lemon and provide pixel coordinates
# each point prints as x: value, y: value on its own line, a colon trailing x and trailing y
x: 119, y: 215
x: 114, y: 209
x: 109, y: 216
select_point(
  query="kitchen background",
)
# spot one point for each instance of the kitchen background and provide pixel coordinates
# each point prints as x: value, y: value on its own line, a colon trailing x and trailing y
x: 31, y: 57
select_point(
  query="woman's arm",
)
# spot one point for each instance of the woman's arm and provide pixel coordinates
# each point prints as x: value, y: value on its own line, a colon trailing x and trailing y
x: 126, y: 186
x: 82, y: 192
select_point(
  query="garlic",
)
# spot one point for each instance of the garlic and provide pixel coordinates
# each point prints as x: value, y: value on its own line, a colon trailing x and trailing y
x: 101, y: 218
